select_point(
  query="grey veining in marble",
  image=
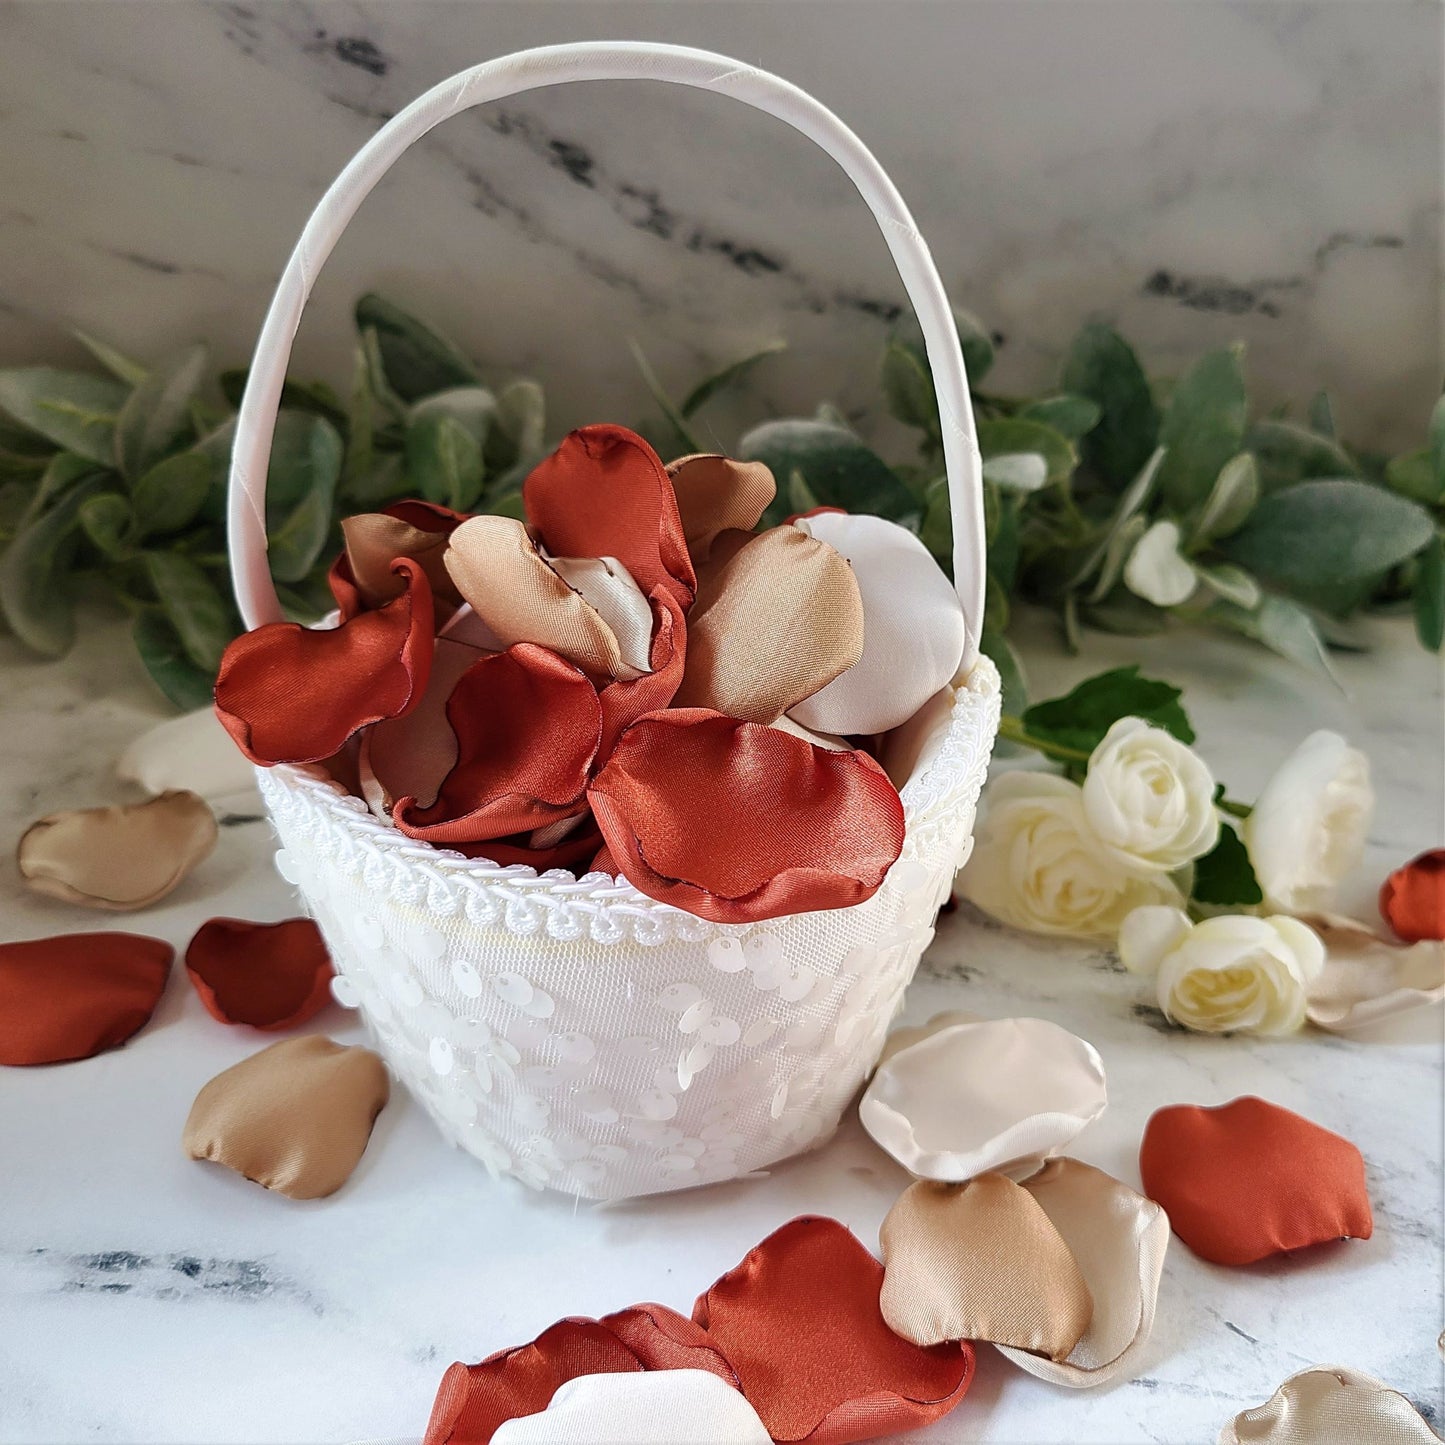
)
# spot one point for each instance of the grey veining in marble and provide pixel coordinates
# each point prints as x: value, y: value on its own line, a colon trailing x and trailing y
x: 1198, y: 171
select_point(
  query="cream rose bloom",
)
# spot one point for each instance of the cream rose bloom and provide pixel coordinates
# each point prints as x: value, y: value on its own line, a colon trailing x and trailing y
x: 1149, y: 798
x: 1037, y: 865
x: 1233, y: 974
x: 1307, y: 830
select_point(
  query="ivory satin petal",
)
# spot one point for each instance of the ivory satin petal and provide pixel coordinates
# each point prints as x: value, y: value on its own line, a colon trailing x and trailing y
x: 119, y: 858
x: 1331, y: 1405
x: 1118, y: 1240
x: 905, y: 1038
x: 607, y: 587
x: 1367, y: 979
x: 981, y: 1261
x: 1001, y: 1095
x: 195, y: 754
x: 717, y: 494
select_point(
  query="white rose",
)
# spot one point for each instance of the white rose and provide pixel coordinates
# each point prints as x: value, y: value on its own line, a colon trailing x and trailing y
x: 1037, y: 865
x: 1307, y: 830
x: 1234, y: 974
x: 1149, y: 798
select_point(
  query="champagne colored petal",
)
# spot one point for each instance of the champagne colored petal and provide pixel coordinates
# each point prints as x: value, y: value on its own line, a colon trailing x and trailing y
x: 1002, y: 1095
x: 981, y: 1261
x: 913, y: 628
x: 295, y: 1117
x: 779, y: 621
x: 1248, y: 1179
x: 1412, y: 898
x: 268, y: 975
x: 800, y: 1322
x: 292, y: 694
x: 736, y: 822
x: 1118, y: 1239
x: 119, y: 858
x: 1367, y: 978
x: 605, y: 493
x: 73, y: 996
x: 192, y: 753
x: 1331, y: 1405
x: 607, y: 585
x: 716, y: 494
x: 412, y: 529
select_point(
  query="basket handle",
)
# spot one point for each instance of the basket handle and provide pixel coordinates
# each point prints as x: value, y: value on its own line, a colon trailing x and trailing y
x: 602, y: 60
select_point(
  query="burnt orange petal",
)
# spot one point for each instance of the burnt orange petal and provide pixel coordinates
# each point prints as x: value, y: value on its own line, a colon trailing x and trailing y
x: 716, y: 494
x: 527, y: 724
x: 292, y: 694
x: 662, y: 1339
x: 70, y: 997
x: 420, y: 527
x: 605, y: 493
x: 1412, y: 899
x: 522, y: 848
x: 736, y: 822
x: 268, y: 975
x: 799, y: 1321
x: 624, y: 702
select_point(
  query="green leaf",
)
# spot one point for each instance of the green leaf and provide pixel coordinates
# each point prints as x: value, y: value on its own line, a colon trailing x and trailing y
x: 1437, y: 445
x: 509, y: 504
x: 1203, y: 427
x: 193, y: 606
x: 973, y: 339
x: 1316, y: 538
x: 185, y: 684
x: 1231, y: 499
x: 69, y: 408
x: 33, y: 594
x: 292, y: 549
x: 384, y: 483
x: 1280, y: 625
x: 1125, y: 615
x: 360, y: 458
x: 908, y: 388
x: 305, y: 459
x: 1131, y: 502
x: 1012, y: 436
x: 444, y: 461
x: 728, y: 376
x: 1232, y: 583
x: 120, y: 366
x: 473, y: 408
x: 1102, y: 366
x: 936, y: 529
x: 417, y: 360
x: 1081, y: 719
x: 1225, y: 875
x: 1287, y: 454
x: 839, y: 470
x: 314, y: 396
x: 995, y: 646
x: 1429, y: 596
x: 1071, y: 415
x: 157, y: 415
x: 1413, y: 475
x: 108, y: 523
x: 669, y: 408
x: 63, y: 472
x: 170, y: 495
x: 800, y: 494
x: 519, y: 438
x: 1322, y: 415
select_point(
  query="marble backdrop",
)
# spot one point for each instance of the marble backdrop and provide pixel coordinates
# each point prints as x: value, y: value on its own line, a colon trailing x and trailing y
x: 1195, y: 172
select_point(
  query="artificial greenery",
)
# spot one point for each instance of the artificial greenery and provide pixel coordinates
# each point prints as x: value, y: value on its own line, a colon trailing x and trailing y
x: 1122, y: 504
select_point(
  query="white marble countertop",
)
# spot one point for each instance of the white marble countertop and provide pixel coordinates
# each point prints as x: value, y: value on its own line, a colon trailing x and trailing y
x: 147, y: 1298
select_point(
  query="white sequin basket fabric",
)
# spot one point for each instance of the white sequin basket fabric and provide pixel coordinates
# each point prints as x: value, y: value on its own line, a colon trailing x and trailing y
x: 572, y: 1032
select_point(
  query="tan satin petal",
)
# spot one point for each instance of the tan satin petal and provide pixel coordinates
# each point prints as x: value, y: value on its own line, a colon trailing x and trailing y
x: 716, y: 494
x: 781, y: 619
x: 117, y: 858
x: 1118, y: 1239
x: 1331, y: 1405
x: 607, y: 585
x: 508, y: 583
x: 1368, y: 978
x: 295, y: 1118
x: 905, y: 1038
x: 785, y: 724
x: 980, y: 1261
x: 374, y: 541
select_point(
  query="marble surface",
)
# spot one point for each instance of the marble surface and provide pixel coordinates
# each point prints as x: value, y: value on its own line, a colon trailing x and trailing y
x: 147, y: 1298
x: 1199, y: 172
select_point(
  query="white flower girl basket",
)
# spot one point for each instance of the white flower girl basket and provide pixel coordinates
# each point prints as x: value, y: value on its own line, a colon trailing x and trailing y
x: 570, y: 1032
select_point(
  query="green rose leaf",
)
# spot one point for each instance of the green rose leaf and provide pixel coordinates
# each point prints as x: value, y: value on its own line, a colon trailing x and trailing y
x: 1081, y: 719
x: 1069, y: 414
x: 33, y: 596
x: 156, y: 416
x: 417, y: 360
x: 473, y: 408
x: 1203, y: 427
x: 120, y: 366
x: 729, y: 375
x: 1429, y: 596
x: 908, y: 388
x: 1231, y: 499
x: 171, y: 494
x: 1015, y: 436
x: 193, y: 606
x: 444, y: 461
x: 1225, y: 876
x: 1287, y: 454
x: 185, y: 684
x: 839, y: 470
x: 1102, y: 366
x: 108, y: 522
x: 518, y: 440
x: 70, y: 408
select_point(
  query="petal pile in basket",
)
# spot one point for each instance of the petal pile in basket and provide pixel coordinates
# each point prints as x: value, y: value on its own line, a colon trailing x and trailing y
x: 633, y: 681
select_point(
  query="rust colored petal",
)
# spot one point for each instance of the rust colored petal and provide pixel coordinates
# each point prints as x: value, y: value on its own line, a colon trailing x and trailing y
x: 605, y: 493
x: 1412, y: 899
x: 624, y: 702
x: 716, y: 494
x: 70, y: 997
x: 799, y: 1321
x: 523, y: 848
x: 662, y: 1339
x: 292, y: 694
x: 527, y: 724
x: 268, y: 975
x: 736, y: 822
x: 362, y: 576
x: 119, y: 858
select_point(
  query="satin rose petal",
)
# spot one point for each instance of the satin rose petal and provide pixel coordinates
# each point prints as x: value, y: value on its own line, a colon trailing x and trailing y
x: 905, y: 1038
x: 605, y: 493
x: 659, y: 1407
x: 73, y: 996
x: 292, y: 694
x: 662, y: 1339
x: 910, y: 749
x: 295, y: 1117
x: 1412, y: 898
x: 1248, y: 1179
x: 736, y: 822
x: 716, y: 494
x: 519, y: 596
x: 119, y: 858
x: 1331, y: 1405
x: 607, y: 585
x: 424, y: 525
x: 832, y: 744
x: 192, y: 753
x: 1118, y: 1239
x: 523, y: 849
x: 268, y: 975
x: 1367, y: 978
x: 466, y: 627
x: 799, y: 1320
x: 913, y: 628
x: 527, y: 725
x: 782, y: 619
x: 624, y: 702
x: 1002, y: 1095
x: 981, y: 1261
